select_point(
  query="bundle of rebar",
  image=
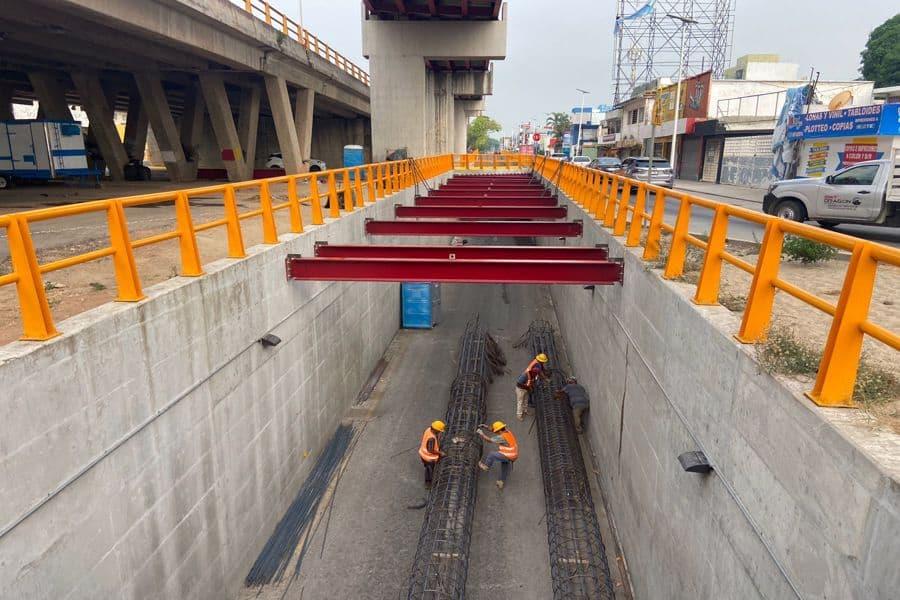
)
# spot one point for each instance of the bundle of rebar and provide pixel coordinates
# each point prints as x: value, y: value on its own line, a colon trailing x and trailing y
x: 441, y: 563
x: 578, y: 565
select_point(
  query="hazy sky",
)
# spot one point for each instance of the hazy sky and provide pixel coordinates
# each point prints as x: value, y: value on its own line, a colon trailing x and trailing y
x: 554, y: 50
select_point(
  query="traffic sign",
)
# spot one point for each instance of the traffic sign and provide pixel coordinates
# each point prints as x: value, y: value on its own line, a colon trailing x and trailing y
x: 536, y: 137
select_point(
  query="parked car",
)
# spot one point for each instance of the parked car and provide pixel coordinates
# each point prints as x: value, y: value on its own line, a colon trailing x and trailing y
x: 858, y: 194
x: 581, y: 160
x: 637, y: 167
x: 609, y: 164
x: 559, y: 156
x: 276, y: 161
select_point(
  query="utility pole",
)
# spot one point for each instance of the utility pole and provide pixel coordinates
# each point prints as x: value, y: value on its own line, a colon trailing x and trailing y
x: 580, y: 120
x: 685, y: 21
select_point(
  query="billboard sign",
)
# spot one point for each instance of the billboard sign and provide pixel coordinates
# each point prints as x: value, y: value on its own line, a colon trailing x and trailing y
x: 878, y: 119
x: 694, y: 99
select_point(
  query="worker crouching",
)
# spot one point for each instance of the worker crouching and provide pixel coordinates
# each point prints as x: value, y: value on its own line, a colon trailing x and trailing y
x: 578, y: 400
x: 506, y: 453
x: 430, y: 449
x: 525, y: 383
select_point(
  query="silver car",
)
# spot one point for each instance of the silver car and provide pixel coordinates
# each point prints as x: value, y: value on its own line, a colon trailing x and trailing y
x: 637, y: 167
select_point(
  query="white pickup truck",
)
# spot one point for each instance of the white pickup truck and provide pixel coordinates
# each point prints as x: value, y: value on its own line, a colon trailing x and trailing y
x: 867, y: 192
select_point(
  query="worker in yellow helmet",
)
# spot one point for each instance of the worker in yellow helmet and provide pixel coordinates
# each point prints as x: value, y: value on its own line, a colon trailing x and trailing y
x: 506, y: 453
x: 430, y: 449
x: 525, y: 383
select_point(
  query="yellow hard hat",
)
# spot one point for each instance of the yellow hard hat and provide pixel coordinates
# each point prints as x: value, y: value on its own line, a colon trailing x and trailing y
x: 542, y: 358
x: 497, y: 426
x: 438, y: 425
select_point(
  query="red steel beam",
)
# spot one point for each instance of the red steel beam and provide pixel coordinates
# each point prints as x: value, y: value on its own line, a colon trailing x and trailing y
x: 456, y: 201
x: 498, y: 194
x: 326, y: 250
x: 481, y: 212
x: 476, y: 228
x: 567, y: 272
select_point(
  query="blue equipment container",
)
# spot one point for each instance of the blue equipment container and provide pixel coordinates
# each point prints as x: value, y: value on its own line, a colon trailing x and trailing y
x: 420, y: 305
x: 353, y: 157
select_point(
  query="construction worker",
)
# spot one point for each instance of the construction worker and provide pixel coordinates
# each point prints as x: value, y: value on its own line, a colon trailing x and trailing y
x: 578, y: 400
x: 430, y: 449
x: 524, y: 384
x: 506, y: 453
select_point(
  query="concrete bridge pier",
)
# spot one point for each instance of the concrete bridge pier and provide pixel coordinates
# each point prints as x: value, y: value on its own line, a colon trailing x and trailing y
x: 420, y: 69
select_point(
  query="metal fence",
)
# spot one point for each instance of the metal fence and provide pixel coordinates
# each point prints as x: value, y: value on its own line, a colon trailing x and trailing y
x: 578, y: 565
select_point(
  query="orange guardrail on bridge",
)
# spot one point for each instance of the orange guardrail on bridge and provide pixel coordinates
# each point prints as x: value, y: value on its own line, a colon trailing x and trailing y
x: 607, y: 198
x: 263, y: 10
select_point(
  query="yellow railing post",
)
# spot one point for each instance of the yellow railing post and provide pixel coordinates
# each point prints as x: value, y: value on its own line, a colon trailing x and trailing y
x: 603, y: 197
x: 637, y: 218
x: 758, y: 311
x: 388, y: 178
x: 270, y: 234
x: 840, y: 361
x: 334, y: 211
x: 494, y: 161
x: 37, y: 322
x: 379, y: 183
x: 296, y: 215
x: 348, y: 191
x: 609, y: 218
x: 466, y: 161
x: 128, y: 284
x: 654, y: 231
x: 357, y: 179
x: 315, y: 202
x: 622, y: 216
x: 370, y: 183
x: 233, y: 225
x: 187, y: 238
x: 711, y: 273
x: 678, y: 249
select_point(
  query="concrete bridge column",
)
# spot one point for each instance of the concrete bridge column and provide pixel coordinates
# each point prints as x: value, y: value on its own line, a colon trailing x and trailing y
x: 248, y: 126
x: 103, y: 127
x: 358, y: 132
x: 222, y: 119
x: 51, y: 95
x: 153, y: 97
x: 398, y: 104
x: 191, y: 127
x: 460, y: 127
x: 136, y: 126
x: 285, y: 126
x: 304, y: 103
x: 443, y: 113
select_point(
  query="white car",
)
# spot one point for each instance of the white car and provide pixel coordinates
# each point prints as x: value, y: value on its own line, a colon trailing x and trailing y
x: 276, y: 161
x: 581, y: 160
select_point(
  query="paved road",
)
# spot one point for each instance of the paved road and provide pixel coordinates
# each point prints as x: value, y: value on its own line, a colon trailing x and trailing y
x: 752, y: 199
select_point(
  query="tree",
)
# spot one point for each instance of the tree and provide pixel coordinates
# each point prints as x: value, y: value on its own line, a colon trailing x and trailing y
x: 560, y: 124
x: 478, y: 134
x: 881, y: 57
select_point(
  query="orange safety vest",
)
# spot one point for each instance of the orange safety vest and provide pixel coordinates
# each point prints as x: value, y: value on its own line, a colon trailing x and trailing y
x: 423, y: 449
x: 510, y: 449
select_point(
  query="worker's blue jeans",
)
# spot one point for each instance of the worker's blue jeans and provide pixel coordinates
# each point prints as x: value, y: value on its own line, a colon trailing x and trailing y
x: 505, y: 464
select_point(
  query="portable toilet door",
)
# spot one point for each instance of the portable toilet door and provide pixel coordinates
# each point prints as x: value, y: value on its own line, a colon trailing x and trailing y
x: 419, y: 305
x: 353, y: 157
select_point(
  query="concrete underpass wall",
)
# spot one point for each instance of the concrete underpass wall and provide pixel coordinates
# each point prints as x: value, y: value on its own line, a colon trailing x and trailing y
x: 665, y: 377
x: 190, y: 437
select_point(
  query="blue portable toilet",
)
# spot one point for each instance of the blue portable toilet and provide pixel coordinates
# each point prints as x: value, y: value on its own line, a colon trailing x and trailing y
x: 353, y: 157
x: 420, y: 305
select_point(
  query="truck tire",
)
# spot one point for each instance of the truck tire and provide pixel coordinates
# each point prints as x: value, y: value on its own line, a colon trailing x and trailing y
x: 792, y: 210
x: 5, y: 182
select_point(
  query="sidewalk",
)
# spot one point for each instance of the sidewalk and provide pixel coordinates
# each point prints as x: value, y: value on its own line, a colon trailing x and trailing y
x: 740, y: 196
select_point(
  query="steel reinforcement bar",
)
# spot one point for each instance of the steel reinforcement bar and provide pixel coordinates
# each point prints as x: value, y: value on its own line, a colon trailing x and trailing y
x: 441, y: 563
x: 578, y: 566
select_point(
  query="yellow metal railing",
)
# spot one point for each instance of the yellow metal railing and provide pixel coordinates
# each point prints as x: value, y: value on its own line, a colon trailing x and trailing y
x: 264, y: 11
x: 482, y: 162
x: 608, y: 199
x: 346, y: 190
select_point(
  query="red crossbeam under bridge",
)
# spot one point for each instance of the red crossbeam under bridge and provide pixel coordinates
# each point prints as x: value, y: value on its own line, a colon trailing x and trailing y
x: 481, y: 212
x: 476, y: 228
x: 471, y: 252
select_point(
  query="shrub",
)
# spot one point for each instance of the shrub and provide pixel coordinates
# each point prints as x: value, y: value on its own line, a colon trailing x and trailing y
x: 807, y: 251
x: 783, y: 353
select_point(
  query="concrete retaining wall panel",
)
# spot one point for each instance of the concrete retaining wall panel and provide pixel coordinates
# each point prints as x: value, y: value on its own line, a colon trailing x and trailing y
x: 182, y: 508
x: 665, y: 377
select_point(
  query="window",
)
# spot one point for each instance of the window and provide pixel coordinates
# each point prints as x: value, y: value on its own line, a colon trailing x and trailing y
x: 641, y: 115
x: 633, y: 116
x: 864, y: 175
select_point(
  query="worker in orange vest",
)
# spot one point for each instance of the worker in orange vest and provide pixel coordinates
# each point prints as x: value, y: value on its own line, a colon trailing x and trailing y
x: 525, y: 383
x: 506, y: 453
x: 430, y: 449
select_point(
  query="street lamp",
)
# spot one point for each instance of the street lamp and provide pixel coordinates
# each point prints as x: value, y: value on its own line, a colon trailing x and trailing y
x: 580, y: 120
x: 685, y: 21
